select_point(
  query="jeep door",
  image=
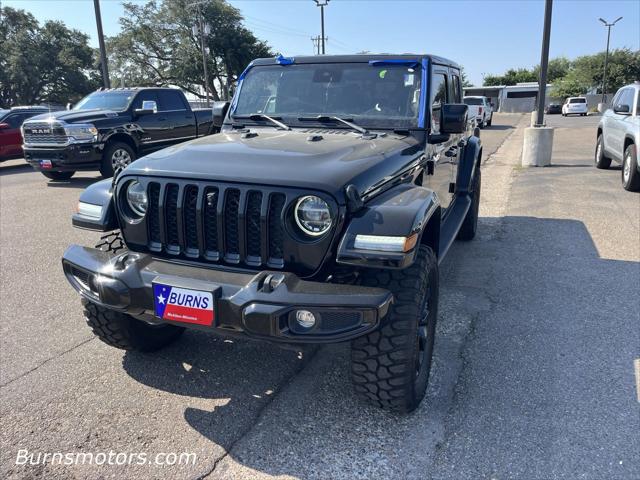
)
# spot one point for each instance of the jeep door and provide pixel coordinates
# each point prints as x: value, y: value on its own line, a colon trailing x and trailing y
x: 442, y: 164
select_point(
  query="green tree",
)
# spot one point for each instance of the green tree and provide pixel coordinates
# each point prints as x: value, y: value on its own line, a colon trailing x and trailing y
x: 157, y: 46
x: 48, y: 63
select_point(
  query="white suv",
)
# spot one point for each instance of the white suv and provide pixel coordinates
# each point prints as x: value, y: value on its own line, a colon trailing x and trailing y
x: 619, y: 135
x: 575, y: 106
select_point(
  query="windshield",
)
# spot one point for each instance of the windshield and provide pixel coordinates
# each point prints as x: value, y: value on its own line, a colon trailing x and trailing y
x: 115, y: 101
x: 370, y: 95
x: 3, y: 113
x: 472, y: 101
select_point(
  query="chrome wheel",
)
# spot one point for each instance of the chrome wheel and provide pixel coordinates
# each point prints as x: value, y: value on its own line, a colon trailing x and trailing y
x: 120, y: 159
x: 626, y: 168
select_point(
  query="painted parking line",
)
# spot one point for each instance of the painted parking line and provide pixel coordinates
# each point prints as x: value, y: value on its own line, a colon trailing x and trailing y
x: 636, y: 364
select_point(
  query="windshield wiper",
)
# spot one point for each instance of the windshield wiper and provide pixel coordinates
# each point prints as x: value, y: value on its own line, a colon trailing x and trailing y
x: 326, y: 118
x: 262, y: 116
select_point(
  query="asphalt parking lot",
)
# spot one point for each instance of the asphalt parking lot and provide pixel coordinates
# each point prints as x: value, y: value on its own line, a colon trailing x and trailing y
x: 533, y: 375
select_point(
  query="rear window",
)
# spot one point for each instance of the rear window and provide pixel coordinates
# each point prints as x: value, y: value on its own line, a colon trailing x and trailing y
x: 473, y: 101
x: 577, y: 100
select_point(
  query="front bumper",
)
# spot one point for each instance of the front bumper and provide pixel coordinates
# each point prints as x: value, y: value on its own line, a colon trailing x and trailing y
x: 69, y: 158
x: 260, y: 305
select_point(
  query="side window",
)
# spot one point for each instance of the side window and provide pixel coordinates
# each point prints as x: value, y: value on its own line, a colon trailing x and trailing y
x: 15, y: 120
x: 170, y: 100
x: 143, y: 96
x: 626, y: 98
x: 438, y: 98
x: 455, y: 94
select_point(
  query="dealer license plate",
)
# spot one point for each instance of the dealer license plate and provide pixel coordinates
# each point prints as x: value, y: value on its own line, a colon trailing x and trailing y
x: 183, y: 304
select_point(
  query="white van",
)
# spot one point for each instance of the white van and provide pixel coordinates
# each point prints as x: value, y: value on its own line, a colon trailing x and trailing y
x: 575, y: 106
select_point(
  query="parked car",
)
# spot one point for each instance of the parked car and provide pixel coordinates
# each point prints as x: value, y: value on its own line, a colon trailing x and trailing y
x: 10, y: 136
x: 481, y: 109
x: 575, y: 106
x: 619, y: 135
x: 110, y: 128
x: 319, y: 214
x: 553, y: 108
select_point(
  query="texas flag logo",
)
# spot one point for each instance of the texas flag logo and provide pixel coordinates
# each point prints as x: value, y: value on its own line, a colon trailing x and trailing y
x: 183, y: 305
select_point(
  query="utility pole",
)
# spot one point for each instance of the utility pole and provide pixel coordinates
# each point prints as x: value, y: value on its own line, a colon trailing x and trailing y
x: 322, y: 4
x: 203, y: 30
x: 103, y: 50
x: 606, y: 55
x: 544, y: 61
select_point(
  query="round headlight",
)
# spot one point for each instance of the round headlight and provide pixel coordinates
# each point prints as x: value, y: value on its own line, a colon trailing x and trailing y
x: 313, y: 215
x: 137, y: 198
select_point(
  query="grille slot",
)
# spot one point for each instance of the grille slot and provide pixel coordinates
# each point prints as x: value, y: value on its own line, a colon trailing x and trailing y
x: 216, y: 223
x: 171, y: 222
x: 276, y: 230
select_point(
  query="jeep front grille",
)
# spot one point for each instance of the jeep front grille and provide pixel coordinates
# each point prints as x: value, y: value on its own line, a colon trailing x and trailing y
x: 44, y: 133
x: 216, y: 223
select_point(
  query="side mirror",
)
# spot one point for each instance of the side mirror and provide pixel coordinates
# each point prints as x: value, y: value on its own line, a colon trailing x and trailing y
x: 149, y: 107
x: 454, y: 118
x: 621, y: 108
x: 4, y: 126
x: 220, y: 110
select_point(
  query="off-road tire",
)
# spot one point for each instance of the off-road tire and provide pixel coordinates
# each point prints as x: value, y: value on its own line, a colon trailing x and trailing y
x: 111, y: 243
x: 390, y: 366
x: 470, y: 223
x: 630, y: 174
x: 58, y: 176
x: 107, y: 168
x: 122, y: 331
x: 601, y: 160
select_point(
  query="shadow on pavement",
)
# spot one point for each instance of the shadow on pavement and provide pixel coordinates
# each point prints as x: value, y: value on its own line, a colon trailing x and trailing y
x: 499, y: 127
x: 80, y: 182
x: 14, y: 169
x: 527, y: 354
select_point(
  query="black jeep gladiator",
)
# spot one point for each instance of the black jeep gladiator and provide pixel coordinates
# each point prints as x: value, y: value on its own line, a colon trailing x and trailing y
x: 319, y: 214
x: 110, y: 128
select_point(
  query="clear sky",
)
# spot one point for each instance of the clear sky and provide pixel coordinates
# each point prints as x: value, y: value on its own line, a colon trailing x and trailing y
x: 483, y: 36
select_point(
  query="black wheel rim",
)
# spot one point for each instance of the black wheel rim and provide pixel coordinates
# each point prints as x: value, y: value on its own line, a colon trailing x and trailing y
x: 425, y: 342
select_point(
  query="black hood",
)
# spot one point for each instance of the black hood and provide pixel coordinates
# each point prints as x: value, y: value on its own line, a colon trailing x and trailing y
x: 286, y: 158
x: 77, y: 116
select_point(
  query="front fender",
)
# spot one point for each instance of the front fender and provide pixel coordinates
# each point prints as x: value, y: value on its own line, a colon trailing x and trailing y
x: 97, y: 194
x: 401, y: 211
x: 469, y: 162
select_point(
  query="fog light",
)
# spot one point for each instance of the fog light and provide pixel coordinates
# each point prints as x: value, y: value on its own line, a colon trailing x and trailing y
x: 305, y: 318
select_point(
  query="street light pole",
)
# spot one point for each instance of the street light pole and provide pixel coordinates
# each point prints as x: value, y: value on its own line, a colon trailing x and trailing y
x: 202, y: 30
x: 103, y: 50
x: 606, y: 55
x: 544, y: 61
x: 322, y: 4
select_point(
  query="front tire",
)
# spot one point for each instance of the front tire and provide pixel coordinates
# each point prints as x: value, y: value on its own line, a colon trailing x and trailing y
x: 116, y: 157
x: 630, y: 174
x: 390, y: 367
x: 127, y: 333
x: 602, y: 161
x: 58, y: 176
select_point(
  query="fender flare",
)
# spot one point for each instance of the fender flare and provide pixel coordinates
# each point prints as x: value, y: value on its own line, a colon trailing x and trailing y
x: 101, y: 194
x: 404, y: 210
x: 469, y: 163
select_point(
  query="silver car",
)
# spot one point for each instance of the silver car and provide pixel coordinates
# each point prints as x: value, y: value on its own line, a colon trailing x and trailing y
x: 619, y: 136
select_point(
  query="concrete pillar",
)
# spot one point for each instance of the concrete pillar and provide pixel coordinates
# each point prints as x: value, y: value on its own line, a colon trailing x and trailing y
x: 602, y: 107
x: 538, y: 144
x: 534, y: 118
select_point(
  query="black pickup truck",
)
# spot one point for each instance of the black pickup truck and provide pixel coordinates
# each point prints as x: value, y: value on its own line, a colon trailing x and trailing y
x: 110, y: 128
x: 320, y: 213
